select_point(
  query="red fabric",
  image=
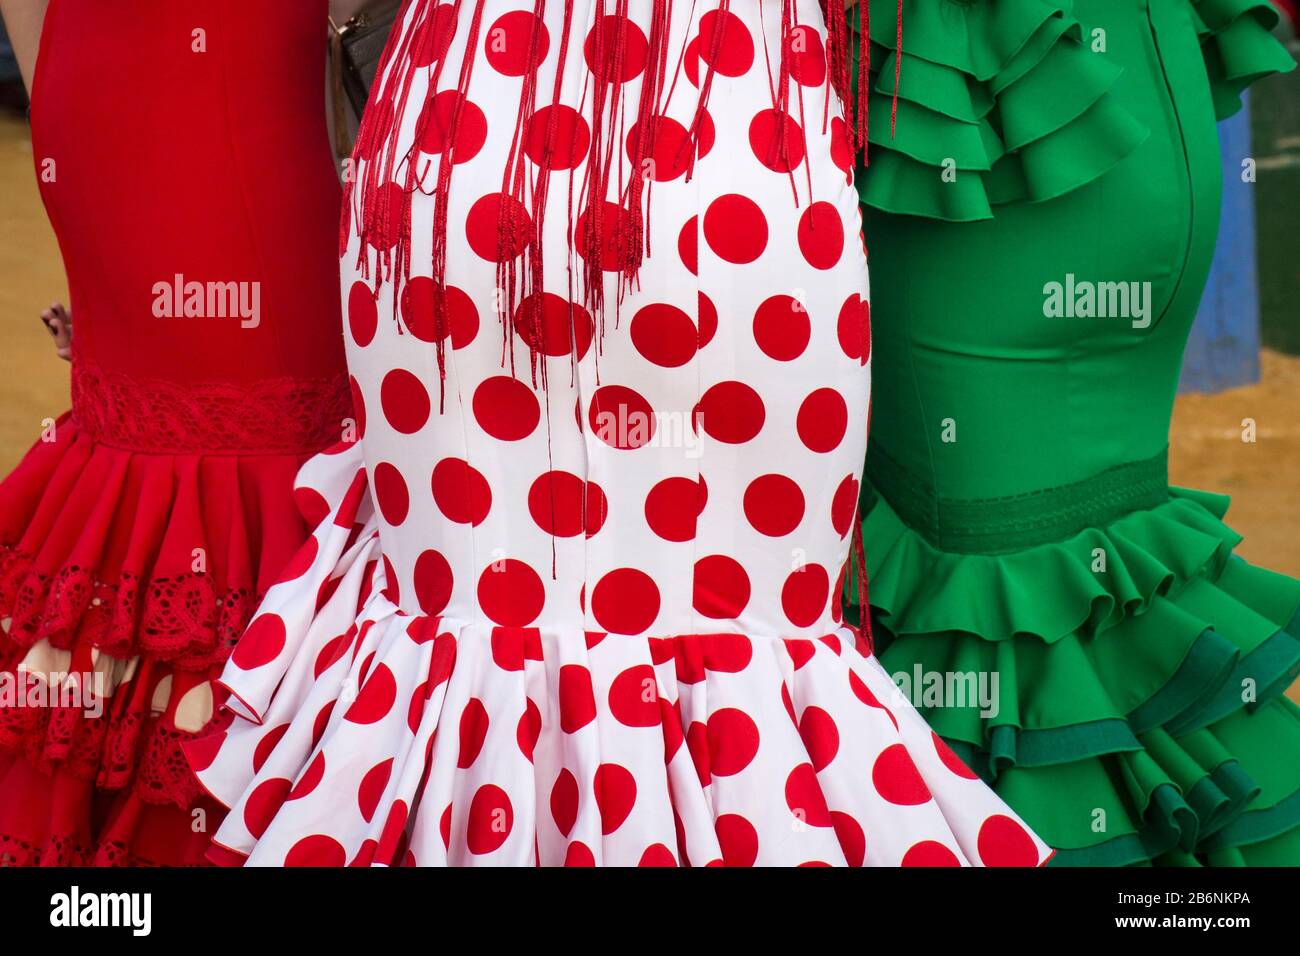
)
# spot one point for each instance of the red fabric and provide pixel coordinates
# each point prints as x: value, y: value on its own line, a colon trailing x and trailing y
x: 149, y: 520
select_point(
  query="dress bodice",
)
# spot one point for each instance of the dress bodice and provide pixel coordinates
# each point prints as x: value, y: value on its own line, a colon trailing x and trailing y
x: 143, y: 122
x: 1072, y: 375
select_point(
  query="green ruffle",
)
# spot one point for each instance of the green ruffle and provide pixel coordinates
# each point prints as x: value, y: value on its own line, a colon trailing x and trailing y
x: 1138, y: 712
x: 998, y: 101
x: 1239, y: 48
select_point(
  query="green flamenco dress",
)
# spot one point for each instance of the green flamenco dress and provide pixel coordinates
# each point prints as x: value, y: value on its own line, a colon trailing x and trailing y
x: 1018, y: 518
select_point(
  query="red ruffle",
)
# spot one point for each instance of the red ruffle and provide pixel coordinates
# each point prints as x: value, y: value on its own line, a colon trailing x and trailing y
x: 162, y: 555
x: 160, y: 558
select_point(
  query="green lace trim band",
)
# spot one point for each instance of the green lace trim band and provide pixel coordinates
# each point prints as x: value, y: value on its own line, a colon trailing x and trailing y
x: 994, y: 525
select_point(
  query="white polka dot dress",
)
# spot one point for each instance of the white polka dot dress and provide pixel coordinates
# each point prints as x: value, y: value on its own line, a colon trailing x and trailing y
x: 574, y: 594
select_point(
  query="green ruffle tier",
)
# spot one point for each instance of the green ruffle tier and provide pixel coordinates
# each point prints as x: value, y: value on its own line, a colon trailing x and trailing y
x: 1001, y: 101
x: 1138, y: 714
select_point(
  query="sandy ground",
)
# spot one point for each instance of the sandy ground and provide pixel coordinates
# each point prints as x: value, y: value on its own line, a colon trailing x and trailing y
x: 1206, y: 450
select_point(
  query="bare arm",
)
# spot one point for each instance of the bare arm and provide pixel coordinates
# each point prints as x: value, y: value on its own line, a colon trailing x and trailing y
x: 23, y: 19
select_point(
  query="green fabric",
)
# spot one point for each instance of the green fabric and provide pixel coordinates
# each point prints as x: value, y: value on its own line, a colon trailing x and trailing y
x: 1019, y: 98
x: 1017, y: 520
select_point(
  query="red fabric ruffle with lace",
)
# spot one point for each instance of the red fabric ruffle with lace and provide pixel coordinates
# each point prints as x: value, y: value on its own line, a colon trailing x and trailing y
x: 136, y: 536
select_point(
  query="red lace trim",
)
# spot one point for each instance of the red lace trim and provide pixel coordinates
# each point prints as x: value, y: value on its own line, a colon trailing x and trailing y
x: 64, y: 851
x: 181, y: 619
x: 271, y: 416
x: 116, y: 750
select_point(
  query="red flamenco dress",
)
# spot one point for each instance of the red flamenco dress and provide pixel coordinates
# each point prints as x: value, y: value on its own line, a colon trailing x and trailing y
x: 174, y: 146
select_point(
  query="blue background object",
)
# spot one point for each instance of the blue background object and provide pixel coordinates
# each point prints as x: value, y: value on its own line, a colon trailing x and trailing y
x: 1223, y: 350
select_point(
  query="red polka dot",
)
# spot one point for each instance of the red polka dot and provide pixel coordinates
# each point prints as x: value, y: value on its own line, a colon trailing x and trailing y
x: 822, y: 420
x: 261, y: 643
x: 671, y: 152
x: 804, y: 595
x: 727, y: 653
x: 929, y: 853
x: 375, y: 699
x: 511, y: 593
x: 301, y: 562
x: 735, y: 229
x: 421, y: 300
x: 316, y: 850
x: 498, y: 227
x: 803, y: 795
x: 688, y: 245
x: 264, y: 803
x: 615, y: 795
x: 554, y: 326
x: 657, y: 855
x: 733, y: 741
x: 491, y: 818
x: 529, y: 729
x: 616, y: 50
x: 781, y: 328
x: 737, y: 838
x: 557, y: 138
x: 310, y: 778
x: 725, y: 43
x: 390, y: 491
x: 664, y: 335
x: 866, y: 331
x: 841, y: 150
x: 950, y: 759
x: 853, y: 328
x: 708, y: 320
x: 449, y: 120
x: 672, y: 508
x: 461, y: 492
x: 332, y: 653
x: 372, y: 788
x: 561, y: 504
x: 705, y: 134
x: 577, y: 698
x: 620, y: 417
x: 474, y: 723
x: 506, y: 408
x: 358, y: 406
x: 516, y: 42
x: 820, y: 737
x: 1004, y: 842
x: 853, y: 842
x: 579, y: 855
x: 821, y: 235
x: 387, y: 207
x: 731, y: 412
x: 434, y: 35
x: 564, y: 801
x: 266, y: 746
x: 692, y: 62
x: 311, y: 504
x: 774, y: 505
x: 800, y: 651
x: 634, y: 697
x: 721, y: 588
x: 405, y: 401
x: 625, y: 601
x: 363, y: 314
x: 391, y: 585
x: 433, y: 581
x: 896, y: 778
x: 803, y: 45
x: 777, y: 141
x: 608, y: 237
x: 844, y: 505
